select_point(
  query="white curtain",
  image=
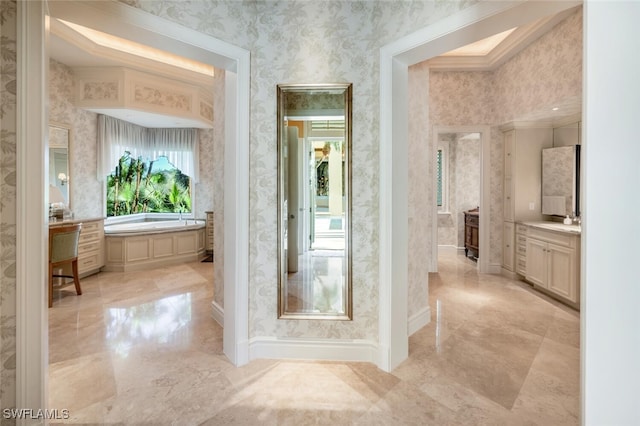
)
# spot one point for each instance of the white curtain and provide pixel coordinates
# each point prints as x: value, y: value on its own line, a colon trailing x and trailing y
x: 180, y: 146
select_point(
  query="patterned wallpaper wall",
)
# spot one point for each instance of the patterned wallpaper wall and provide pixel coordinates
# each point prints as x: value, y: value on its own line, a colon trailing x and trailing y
x: 547, y: 72
x: 8, y: 125
x: 311, y: 42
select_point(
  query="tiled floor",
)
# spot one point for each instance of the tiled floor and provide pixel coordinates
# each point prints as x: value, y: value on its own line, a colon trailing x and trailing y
x: 142, y: 348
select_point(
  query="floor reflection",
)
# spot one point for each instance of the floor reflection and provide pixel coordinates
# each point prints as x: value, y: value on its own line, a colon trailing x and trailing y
x: 318, y: 286
x: 161, y: 321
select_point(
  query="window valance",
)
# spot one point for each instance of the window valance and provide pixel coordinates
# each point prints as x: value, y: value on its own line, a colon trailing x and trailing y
x: 115, y: 136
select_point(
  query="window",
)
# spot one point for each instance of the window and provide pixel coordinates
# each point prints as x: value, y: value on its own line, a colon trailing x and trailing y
x: 442, y: 177
x: 139, y: 186
x: 147, y: 170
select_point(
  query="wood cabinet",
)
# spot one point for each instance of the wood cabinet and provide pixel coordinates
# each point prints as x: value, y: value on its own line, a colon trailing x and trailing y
x: 90, y: 245
x: 209, y: 232
x: 553, y: 263
x: 471, y: 232
x: 522, y: 183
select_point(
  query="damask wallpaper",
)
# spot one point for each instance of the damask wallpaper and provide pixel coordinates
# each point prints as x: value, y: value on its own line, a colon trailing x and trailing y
x: 545, y: 73
x: 8, y: 126
x: 311, y: 42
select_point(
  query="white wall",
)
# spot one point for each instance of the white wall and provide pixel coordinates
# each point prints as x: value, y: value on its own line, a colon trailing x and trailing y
x: 611, y: 231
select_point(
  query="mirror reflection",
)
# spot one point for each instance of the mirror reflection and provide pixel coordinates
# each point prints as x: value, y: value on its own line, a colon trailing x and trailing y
x: 314, y: 199
x: 561, y: 181
x: 59, y: 183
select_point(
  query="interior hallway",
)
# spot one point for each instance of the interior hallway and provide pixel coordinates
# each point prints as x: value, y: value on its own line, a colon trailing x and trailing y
x: 142, y: 348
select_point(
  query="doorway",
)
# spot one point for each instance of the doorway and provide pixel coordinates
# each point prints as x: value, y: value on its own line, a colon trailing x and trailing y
x: 461, y: 167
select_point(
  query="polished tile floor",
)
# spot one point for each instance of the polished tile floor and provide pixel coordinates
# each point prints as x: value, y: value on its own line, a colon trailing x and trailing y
x: 142, y: 349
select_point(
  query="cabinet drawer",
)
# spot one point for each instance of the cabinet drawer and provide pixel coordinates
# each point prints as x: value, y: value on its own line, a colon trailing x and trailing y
x: 88, y: 237
x: 521, y: 265
x: 86, y: 263
x: 521, y: 229
x: 558, y: 238
x: 90, y: 227
x: 471, y: 220
x: 91, y: 246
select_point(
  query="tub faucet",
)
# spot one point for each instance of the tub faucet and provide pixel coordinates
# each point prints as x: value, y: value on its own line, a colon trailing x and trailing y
x: 180, y: 215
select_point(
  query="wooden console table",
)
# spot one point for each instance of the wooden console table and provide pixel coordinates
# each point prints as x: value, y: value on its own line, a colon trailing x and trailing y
x: 471, y: 232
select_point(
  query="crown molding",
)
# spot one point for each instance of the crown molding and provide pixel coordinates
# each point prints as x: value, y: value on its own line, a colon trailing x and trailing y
x: 509, y: 47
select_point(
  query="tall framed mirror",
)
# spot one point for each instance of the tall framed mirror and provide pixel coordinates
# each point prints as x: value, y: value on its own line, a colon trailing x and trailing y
x: 59, y: 167
x: 314, y: 201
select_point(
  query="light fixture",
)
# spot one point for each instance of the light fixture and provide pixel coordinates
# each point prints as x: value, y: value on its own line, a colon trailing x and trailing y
x: 63, y: 178
x: 555, y: 109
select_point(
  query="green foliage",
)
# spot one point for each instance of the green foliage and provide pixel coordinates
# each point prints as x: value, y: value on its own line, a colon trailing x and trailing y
x: 136, y: 187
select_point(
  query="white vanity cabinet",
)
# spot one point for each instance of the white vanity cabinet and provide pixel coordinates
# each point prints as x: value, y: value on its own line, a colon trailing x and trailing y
x: 521, y: 184
x: 553, y: 262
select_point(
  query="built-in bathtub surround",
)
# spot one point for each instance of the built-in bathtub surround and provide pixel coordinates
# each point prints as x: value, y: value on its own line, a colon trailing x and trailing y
x: 137, y: 246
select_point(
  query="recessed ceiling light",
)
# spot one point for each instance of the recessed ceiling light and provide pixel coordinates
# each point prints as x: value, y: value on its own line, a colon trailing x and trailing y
x: 555, y: 109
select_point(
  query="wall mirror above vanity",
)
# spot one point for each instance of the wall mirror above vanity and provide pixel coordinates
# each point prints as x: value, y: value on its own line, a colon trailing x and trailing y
x: 561, y: 173
x: 314, y: 201
x: 59, y: 165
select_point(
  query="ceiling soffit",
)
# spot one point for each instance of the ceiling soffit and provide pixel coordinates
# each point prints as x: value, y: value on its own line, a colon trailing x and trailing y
x: 516, y: 41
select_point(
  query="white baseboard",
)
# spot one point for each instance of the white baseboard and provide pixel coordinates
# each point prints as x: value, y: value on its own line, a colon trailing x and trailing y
x: 507, y: 273
x: 449, y: 248
x: 217, y: 312
x: 419, y: 320
x: 313, y: 349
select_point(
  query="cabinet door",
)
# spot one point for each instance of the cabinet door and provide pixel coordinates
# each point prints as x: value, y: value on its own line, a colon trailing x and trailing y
x: 537, y: 262
x: 508, y: 200
x: 507, y: 246
x: 561, y: 271
x: 509, y: 138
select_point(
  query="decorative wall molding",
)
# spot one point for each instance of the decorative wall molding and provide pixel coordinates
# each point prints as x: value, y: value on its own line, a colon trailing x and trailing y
x: 142, y: 98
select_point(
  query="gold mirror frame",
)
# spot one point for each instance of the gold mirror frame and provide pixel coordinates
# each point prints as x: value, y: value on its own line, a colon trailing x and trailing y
x: 286, y: 93
x: 59, y: 150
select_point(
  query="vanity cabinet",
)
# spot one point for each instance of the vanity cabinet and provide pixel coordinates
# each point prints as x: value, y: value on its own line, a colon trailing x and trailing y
x: 209, y: 232
x: 521, y: 249
x: 90, y: 244
x: 522, y: 183
x: 552, y: 263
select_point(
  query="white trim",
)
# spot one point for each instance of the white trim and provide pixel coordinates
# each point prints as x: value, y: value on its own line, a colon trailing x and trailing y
x: 217, y: 313
x: 31, y: 218
x: 449, y: 248
x: 471, y: 24
x: 312, y: 349
x: 419, y: 320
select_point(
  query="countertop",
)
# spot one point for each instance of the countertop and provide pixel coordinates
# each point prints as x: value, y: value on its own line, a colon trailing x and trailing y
x: 74, y: 221
x: 556, y: 226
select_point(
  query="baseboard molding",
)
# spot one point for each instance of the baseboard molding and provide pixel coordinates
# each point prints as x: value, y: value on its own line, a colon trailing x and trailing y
x: 449, y: 248
x: 217, y: 312
x: 419, y: 320
x: 313, y: 349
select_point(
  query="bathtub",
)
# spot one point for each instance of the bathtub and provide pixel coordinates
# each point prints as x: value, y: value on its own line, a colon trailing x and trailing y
x: 134, y: 246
